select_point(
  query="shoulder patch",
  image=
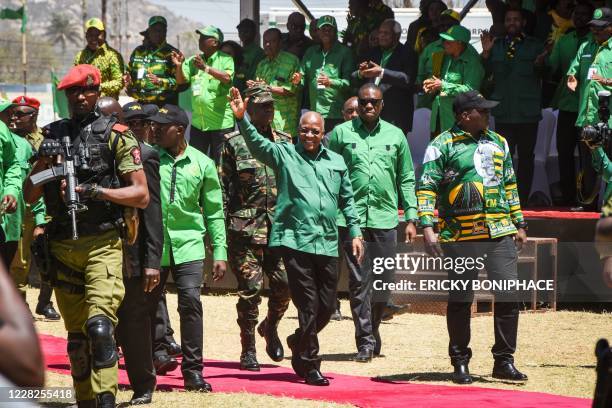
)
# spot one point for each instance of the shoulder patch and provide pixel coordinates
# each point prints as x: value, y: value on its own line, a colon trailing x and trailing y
x: 229, y: 135
x: 117, y: 127
x: 135, y: 152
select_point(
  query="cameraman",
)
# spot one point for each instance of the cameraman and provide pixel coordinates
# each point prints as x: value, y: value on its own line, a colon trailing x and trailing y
x: 592, y: 66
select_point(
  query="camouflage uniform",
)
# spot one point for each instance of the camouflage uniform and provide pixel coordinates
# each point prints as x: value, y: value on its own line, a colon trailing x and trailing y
x: 249, y: 195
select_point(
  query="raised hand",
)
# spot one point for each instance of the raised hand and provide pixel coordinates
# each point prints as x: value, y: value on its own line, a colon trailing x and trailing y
x: 237, y: 104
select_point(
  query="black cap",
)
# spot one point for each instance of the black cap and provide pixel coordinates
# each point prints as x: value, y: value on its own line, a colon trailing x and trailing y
x: 471, y: 100
x: 602, y: 17
x: 134, y: 110
x: 170, y: 114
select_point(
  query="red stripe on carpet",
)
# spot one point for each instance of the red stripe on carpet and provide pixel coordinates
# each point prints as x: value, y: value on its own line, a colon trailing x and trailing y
x: 361, y: 391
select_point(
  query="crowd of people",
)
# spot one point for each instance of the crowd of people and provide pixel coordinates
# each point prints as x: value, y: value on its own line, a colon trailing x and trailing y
x: 297, y: 153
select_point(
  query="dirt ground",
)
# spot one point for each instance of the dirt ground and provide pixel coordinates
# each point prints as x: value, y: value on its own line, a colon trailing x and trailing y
x: 555, y: 349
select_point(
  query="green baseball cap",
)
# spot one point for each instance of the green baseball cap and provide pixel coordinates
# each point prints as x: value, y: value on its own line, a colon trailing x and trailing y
x: 211, y: 31
x: 326, y: 20
x: 158, y: 19
x: 4, y: 105
x: 457, y: 33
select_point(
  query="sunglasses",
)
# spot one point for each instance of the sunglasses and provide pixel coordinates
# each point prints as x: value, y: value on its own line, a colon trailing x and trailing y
x: 78, y: 90
x: 137, y: 123
x: 305, y: 131
x: 365, y: 102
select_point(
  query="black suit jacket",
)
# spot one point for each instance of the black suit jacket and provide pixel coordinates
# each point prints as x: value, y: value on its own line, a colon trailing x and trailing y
x: 397, y: 85
x: 147, y: 250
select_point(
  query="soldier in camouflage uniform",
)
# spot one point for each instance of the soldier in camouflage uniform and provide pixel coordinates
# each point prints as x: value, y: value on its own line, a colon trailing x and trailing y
x: 250, y: 197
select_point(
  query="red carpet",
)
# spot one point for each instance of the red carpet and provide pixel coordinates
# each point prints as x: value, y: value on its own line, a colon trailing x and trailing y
x: 361, y: 391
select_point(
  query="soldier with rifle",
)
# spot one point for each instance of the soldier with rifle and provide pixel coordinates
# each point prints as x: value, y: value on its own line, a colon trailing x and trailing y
x: 88, y: 167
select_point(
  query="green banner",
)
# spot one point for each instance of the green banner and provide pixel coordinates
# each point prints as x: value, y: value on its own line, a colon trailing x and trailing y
x: 60, y: 102
x: 18, y: 14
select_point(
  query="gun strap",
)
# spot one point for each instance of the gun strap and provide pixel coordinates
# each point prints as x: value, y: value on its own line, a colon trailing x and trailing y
x: 67, y: 272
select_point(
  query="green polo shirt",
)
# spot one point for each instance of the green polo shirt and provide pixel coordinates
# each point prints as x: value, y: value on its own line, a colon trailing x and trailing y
x: 310, y: 192
x: 381, y: 171
x: 598, y: 58
x: 278, y: 72
x: 210, y: 106
x: 559, y: 61
x: 10, y: 169
x: 337, y: 64
x: 251, y: 55
x: 458, y: 75
x: 192, y: 204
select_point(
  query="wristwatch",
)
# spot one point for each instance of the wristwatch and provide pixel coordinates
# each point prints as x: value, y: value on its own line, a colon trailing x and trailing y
x: 415, y: 221
x: 521, y: 225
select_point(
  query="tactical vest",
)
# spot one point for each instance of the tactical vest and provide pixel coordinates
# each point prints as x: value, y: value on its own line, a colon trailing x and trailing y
x: 96, y: 165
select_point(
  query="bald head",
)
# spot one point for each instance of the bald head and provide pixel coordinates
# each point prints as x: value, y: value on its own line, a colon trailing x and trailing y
x: 108, y: 106
x: 311, y: 131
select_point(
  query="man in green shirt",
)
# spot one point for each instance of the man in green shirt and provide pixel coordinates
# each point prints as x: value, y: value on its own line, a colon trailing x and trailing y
x: 192, y: 205
x: 326, y: 71
x: 250, y: 192
x: 32, y: 218
x: 279, y: 70
x: 378, y: 158
x: 468, y: 175
x: 461, y: 71
x: 313, y: 184
x: 252, y: 53
x: 10, y: 181
x: 566, y: 101
x: 513, y: 64
x: 99, y: 54
x: 210, y: 76
x: 151, y: 71
x: 591, y: 71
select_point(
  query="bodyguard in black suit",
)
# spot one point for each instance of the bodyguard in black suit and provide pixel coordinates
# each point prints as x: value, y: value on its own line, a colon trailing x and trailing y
x: 392, y: 66
x: 141, y: 265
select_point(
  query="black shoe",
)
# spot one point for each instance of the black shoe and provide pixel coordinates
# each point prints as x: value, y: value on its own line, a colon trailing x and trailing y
x: 337, y: 316
x: 86, y: 404
x: 364, y: 355
x: 195, y: 382
x: 164, y: 364
x: 461, y: 374
x: 174, y: 350
x: 314, y: 377
x: 274, y: 347
x: 142, y: 398
x: 392, y: 310
x: 47, y: 311
x: 296, y: 362
x: 507, y: 371
x: 248, y: 361
x: 105, y: 400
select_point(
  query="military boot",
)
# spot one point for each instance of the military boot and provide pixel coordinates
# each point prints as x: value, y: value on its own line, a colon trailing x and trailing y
x: 268, y: 330
x: 105, y: 400
x: 248, y: 357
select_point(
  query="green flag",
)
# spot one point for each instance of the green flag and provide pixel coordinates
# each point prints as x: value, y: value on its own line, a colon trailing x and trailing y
x: 60, y: 102
x: 18, y: 14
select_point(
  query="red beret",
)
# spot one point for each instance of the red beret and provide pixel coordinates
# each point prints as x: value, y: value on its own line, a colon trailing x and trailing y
x: 26, y: 101
x: 83, y: 75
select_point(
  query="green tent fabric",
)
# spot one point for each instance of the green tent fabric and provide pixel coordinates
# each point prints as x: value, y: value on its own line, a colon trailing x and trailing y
x: 60, y: 102
x: 18, y: 14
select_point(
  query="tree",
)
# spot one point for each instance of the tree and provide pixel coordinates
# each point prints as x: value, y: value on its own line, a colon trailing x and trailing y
x: 63, y: 31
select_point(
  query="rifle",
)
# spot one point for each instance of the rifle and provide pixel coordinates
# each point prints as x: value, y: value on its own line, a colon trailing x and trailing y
x: 64, y: 168
x: 466, y: 9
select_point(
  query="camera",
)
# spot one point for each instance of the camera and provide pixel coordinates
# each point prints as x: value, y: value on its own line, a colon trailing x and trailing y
x: 600, y: 133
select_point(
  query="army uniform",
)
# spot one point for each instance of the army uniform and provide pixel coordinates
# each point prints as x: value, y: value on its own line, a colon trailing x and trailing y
x: 250, y: 197
x: 89, y: 283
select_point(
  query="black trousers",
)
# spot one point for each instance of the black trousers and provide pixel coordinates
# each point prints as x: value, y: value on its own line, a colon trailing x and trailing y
x: 162, y: 331
x: 367, y: 311
x: 188, y: 279
x: 134, y: 334
x: 567, y: 139
x: 500, y: 260
x: 209, y: 142
x: 7, y: 252
x: 521, y: 137
x: 313, y: 280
